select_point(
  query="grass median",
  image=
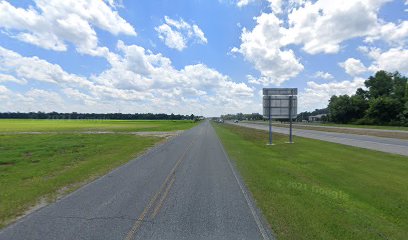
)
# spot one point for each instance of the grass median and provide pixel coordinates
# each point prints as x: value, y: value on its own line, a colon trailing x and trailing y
x: 43, y: 166
x: 320, y: 190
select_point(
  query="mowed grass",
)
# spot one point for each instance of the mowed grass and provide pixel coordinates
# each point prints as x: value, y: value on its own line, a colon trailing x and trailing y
x: 34, y: 125
x: 320, y: 190
x: 42, y: 166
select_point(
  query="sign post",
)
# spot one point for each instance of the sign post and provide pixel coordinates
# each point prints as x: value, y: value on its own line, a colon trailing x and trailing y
x: 290, y: 118
x: 280, y: 103
x: 270, y: 123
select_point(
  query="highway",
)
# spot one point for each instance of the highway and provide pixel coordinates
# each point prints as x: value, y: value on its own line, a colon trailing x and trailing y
x: 186, y: 188
x: 342, y: 127
x: 389, y: 145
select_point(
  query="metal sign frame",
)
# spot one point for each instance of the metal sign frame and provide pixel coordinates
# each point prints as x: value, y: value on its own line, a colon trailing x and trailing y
x: 279, y: 91
x: 279, y: 106
x: 270, y: 99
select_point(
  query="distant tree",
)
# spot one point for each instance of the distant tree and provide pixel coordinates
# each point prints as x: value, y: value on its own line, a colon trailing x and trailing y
x: 340, y: 109
x: 359, y: 106
x: 362, y: 93
x: 399, y: 86
x: 384, y: 109
x: 346, y: 109
x: 403, y: 117
x: 387, y: 97
x: 305, y: 115
x: 406, y: 92
x: 324, y: 118
x: 384, y: 102
x: 240, y: 116
x: 381, y: 84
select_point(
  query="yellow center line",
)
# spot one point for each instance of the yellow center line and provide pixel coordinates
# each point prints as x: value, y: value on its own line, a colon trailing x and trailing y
x: 171, y: 176
x: 160, y: 204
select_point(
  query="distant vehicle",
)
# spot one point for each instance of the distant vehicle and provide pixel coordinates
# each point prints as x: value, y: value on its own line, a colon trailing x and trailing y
x: 235, y: 121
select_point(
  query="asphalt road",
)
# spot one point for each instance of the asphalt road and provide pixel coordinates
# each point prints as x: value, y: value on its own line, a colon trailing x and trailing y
x: 390, y: 145
x: 296, y: 124
x: 184, y: 189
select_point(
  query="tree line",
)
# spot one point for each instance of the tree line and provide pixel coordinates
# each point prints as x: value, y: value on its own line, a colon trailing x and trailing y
x: 242, y: 116
x: 304, y: 116
x: 383, y: 102
x: 113, y: 116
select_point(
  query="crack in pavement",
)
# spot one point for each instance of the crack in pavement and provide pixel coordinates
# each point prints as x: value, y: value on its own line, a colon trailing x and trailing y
x: 99, y: 218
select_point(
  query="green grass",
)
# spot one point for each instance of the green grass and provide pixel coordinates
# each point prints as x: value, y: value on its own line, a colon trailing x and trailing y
x: 34, y: 167
x: 320, y: 190
x: 31, y: 125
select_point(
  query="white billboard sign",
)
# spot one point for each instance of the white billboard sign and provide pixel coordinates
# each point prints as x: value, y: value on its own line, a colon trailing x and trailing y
x: 280, y: 103
x: 279, y: 106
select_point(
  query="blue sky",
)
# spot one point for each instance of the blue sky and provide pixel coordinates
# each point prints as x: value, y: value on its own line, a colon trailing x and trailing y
x: 205, y: 57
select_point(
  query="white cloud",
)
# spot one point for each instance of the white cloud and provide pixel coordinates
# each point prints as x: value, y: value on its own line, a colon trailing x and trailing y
x: 199, y: 34
x: 3, y: 89
x: 353, y: 67
x: 10, y: 78
x: 137, y: 81
x: 33, y: 68
x: 172, y: 39
x: 395, y: 35
x: 76, y: 95
x: 177, y: 34
x: 394, y: 59
x: 323, y: 25
x: 316, y: 96
x: 4, y: 95
x: 275, y: 5
x: 32, y: 100
x: 115, y: 3
x: 320, y: 27
x: 144, y: 71
x: 243, y: 3
x: 51, y: 24
x: 324, y: 75
x: 37, y: 96
x: 262, y: 48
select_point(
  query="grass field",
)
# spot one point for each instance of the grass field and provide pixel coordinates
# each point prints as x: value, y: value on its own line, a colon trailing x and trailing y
x: 43, y: 166
x: 320, y: 190
x: 32, y: 125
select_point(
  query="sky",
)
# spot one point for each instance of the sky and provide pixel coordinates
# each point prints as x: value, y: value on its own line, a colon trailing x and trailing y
x: 206, y: 57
